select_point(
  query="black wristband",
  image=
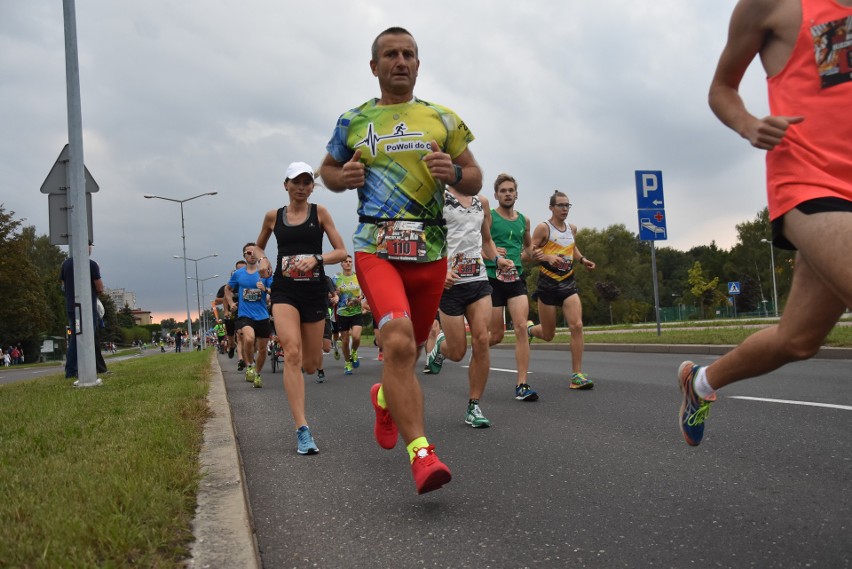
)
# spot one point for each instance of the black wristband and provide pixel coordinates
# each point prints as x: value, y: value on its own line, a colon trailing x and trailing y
x: 459, y: 174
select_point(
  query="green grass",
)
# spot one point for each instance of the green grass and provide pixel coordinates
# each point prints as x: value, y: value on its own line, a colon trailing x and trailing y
x: 104, y: 476
x: 840, y: 337
x: 722, y: 332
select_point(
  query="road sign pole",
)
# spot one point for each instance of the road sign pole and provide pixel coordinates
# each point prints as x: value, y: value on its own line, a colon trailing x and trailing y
x: 656, y: 288
x: 78, y: 224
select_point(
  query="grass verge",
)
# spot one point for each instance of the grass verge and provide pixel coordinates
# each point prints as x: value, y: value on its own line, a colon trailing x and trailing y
x: 103, y: 476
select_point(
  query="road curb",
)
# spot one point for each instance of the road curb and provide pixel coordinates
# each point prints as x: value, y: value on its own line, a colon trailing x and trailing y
x: 223, y: 530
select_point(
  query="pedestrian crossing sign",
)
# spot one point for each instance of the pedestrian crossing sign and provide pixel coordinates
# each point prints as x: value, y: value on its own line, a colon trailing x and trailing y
x: 734, y: 287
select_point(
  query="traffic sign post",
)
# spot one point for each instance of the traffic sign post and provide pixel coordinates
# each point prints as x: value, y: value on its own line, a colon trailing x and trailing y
x: 650, y: 205
x: 734, y: 290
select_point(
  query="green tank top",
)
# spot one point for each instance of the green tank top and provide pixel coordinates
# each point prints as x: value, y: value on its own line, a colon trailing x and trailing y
x: 509, y: 235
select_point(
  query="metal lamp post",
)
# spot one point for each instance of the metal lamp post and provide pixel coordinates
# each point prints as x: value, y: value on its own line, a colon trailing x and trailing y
x: 185, y: 259
x: 201, y: 315
x: 183, y: 239
x: 772, y: 266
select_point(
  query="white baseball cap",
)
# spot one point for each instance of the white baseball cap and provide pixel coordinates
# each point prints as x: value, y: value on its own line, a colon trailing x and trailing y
x: 295, y: 169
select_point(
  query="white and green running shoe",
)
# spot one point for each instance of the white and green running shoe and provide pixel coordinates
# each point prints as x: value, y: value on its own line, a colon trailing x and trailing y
x: 435, y: 359
x: 475, y: 418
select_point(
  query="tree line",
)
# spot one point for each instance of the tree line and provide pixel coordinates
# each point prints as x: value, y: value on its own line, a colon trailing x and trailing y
x: 33, y: 306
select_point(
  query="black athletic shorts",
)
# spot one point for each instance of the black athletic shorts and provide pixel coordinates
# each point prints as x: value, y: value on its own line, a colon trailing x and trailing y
x: 346, y: 323
x: 262, y: 328
x: 554, y: 293
x: 455, y: 300
x: 818, y: 205
x: 501, y: 292
x: 229, y: 327
x: 311, y: 302
x: 326, y: 333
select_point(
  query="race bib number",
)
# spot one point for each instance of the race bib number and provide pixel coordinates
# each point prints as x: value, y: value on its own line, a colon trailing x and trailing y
x: 401, y: 241
x: 509, y: 275
x: 563, y: 264
x: 289, y: 270
x: 252, y: 294
x: 466, y: 267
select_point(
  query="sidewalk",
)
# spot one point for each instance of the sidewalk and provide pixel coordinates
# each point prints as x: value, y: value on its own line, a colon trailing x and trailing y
x: 223, y: 527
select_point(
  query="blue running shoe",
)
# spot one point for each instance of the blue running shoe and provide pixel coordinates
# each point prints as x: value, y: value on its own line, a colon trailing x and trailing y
x: 356, y: 363
x: 693, y: 410
x: 524, y: 392
x: 306, y: 444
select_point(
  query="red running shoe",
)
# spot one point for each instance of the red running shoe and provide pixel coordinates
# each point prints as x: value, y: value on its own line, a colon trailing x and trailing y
x: 385, y: 429
x: 428, y: 470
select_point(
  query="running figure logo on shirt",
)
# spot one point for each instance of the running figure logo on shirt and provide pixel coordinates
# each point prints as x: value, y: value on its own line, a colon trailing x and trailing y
x: 399, y: 131
x: 833, y: 51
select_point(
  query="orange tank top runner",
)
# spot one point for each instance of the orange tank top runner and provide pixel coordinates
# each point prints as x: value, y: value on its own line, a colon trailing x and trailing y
x: 814, y: 159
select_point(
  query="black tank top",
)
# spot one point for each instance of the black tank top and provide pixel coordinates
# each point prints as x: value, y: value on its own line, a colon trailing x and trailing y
x: 302, y: 239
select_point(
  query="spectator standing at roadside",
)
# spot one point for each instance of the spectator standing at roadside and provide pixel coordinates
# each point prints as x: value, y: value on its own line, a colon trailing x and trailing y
x: 66, y: 277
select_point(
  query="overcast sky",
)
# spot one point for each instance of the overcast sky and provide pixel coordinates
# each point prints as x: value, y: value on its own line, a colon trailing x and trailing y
x: 181, y: 98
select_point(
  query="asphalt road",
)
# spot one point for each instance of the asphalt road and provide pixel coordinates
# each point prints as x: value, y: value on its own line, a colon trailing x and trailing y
x: 596, y: 478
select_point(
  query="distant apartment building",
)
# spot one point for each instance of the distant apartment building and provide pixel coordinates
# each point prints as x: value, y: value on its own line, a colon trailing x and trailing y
x: 121, y: 297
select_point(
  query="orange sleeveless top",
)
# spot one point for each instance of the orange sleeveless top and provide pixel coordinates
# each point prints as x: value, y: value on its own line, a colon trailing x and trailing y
x: 814, y: 160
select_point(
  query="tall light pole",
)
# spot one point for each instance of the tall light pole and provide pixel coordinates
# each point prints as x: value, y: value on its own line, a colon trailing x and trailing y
x: 201, y: 320
x: 185, y: 259
x: 183, y: 239
x: 772, y: 266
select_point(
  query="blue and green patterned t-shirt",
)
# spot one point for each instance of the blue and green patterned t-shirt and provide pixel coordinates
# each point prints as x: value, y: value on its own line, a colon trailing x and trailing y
x: 393, y: 139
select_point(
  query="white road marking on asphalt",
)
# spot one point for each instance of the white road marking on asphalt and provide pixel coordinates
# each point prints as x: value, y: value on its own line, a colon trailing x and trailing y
x: 793, y: 402
x: 503, y: 370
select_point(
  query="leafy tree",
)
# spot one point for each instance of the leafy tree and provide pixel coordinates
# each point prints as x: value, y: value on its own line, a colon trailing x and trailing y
x: 168, y: 323
x: 111, y: 331
x: 610, y: 292
x: 24, y: 312
x: 125, y: 317
x: 703, y: 289
x: 47, y: 260
x: 751, y: 256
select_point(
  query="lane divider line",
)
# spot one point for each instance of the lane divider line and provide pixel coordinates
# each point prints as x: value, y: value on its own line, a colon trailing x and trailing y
x: 793, y: 402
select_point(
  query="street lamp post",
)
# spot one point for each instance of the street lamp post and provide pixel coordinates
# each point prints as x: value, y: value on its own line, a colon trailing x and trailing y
x: 772, y: 266
x: 202, y: 322
x: 183, y: 239
x: 185, y: 259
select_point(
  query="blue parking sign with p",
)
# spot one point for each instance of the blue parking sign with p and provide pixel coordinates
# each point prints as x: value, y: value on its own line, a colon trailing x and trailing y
x: 650, y: 205
x: 649, y: 189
